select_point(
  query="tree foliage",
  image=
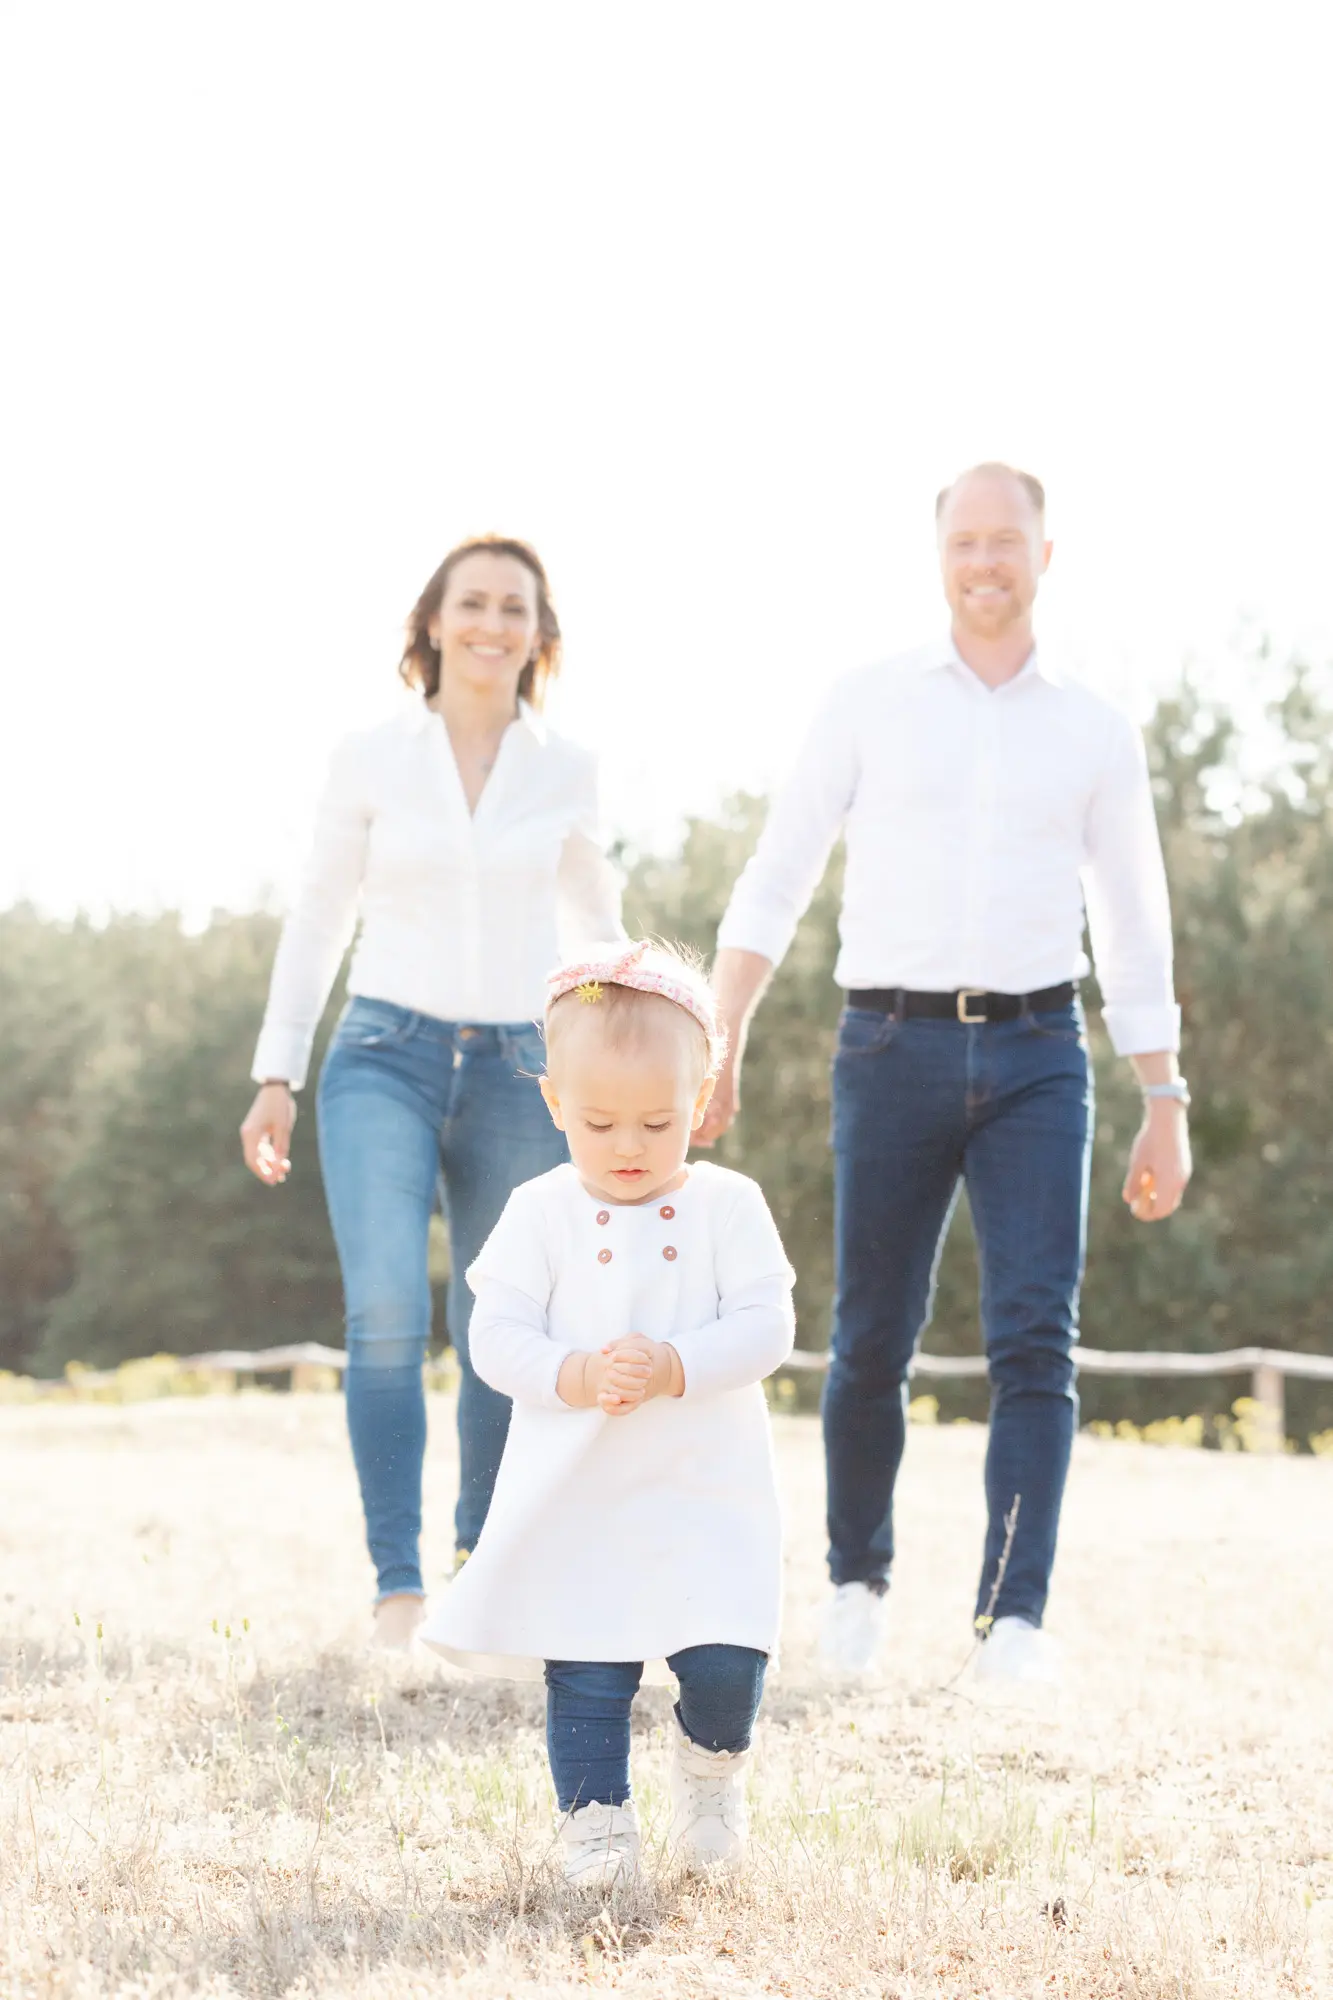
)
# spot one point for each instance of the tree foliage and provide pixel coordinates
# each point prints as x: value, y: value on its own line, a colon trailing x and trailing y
x: 168, y: 1244
x: 129, y: 1225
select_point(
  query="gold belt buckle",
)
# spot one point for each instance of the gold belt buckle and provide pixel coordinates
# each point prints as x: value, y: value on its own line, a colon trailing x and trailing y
x: 966, y: 993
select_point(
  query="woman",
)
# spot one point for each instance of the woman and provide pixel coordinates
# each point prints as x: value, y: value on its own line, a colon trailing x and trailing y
x: 466, y: 834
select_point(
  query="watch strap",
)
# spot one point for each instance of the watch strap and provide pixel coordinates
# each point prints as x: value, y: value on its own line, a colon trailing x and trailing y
x: 1177, y: 1089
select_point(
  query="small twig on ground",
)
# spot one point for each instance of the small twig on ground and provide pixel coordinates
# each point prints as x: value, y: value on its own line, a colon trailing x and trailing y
x: 985, y: 1619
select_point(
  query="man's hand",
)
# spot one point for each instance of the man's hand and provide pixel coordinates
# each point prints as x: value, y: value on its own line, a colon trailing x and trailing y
x: 723, y: 1106
x: 1159, y: 1164
x: 739, y: 978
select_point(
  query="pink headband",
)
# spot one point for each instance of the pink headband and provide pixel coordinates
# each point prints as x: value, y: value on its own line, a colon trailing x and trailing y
x: 672, y: 981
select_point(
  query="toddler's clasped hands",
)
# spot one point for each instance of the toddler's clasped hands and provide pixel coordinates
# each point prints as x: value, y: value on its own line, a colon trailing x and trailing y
x: 628, y: 1372
x: 620, y: 1377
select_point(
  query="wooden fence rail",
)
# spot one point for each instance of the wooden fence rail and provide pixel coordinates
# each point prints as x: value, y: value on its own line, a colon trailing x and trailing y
x: 308, y: 1362
x: 1267, y: 1368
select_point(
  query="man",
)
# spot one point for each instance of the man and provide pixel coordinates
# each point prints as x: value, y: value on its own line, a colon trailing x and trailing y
x: 986, y: 801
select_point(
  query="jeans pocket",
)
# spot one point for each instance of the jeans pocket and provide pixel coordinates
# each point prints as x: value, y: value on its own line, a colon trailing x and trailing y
x: 1062, y: 1025
x: 373, y: 1025
x: 527, y: 1052
x: 862, y: 1031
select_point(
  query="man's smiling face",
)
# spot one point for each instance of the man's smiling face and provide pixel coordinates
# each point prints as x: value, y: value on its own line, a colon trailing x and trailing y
x: 993, y: 553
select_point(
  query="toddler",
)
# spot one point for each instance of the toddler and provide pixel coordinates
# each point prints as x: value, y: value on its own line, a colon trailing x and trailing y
x: 631, y: 1305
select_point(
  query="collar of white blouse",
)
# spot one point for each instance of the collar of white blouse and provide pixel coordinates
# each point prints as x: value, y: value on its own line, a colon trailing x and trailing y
x: 526, y: 732
x: 528, y: 720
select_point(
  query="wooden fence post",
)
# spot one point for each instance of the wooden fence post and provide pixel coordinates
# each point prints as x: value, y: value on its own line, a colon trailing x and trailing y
x: 1269, y: 1391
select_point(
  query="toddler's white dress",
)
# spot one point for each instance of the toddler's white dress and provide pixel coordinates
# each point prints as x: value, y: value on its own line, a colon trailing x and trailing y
x: 632, y: 1537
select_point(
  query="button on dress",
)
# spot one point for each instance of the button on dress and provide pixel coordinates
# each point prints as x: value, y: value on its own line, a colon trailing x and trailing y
x: 630, y: 1537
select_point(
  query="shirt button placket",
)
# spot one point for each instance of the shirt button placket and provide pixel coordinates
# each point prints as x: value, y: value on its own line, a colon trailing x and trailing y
x: 472, y: 922
x: 980, y: 830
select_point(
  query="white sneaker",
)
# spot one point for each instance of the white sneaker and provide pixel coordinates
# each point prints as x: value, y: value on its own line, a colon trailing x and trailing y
x: 1017, y: 1653
x: 709, y: 1821
x: 853, y: 1629
x: 599, y: 1845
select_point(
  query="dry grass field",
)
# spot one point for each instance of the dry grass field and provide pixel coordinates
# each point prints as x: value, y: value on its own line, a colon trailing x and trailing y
x: 207, y: 1787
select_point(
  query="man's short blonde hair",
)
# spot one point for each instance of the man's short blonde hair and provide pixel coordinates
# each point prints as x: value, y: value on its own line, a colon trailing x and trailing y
x: 996, y: 468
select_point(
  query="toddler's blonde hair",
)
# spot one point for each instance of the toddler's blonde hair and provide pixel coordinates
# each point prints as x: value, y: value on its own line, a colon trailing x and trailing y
x: 628, y: 991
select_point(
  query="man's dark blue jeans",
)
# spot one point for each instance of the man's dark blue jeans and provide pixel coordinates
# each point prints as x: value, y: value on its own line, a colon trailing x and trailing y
x: 921, y: 1107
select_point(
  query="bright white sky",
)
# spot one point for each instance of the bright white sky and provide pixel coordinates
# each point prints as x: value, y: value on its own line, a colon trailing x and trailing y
x: 704, y: 299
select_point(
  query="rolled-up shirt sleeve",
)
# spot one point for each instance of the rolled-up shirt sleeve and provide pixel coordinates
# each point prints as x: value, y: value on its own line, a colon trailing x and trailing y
x: 1129, y: 912
x: 320, y: 924
x: 587, y: 885
x: 774, y: 889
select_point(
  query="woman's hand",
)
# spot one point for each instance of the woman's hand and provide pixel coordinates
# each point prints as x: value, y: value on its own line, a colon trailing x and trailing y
x: 266, y: 1136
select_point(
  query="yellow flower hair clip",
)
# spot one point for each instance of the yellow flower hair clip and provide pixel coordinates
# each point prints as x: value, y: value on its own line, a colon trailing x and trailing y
x: 589, y: 991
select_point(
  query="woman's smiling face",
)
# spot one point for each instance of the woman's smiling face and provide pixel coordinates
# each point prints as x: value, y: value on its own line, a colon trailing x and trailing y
x: 486, y: 628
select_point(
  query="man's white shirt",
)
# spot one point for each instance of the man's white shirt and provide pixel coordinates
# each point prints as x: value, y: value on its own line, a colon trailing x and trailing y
x: 980, y: 824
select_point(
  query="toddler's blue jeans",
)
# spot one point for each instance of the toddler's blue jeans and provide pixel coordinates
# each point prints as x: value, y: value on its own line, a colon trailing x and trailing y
x: 588, y: 1706
x: 412, y: 1110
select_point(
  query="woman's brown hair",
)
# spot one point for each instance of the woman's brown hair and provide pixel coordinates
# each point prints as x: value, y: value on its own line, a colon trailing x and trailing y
x: 420, y: 664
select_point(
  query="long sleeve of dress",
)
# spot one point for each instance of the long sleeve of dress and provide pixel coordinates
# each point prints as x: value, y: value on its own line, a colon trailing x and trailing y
x: 319, y: 927
x: 514, y: 1354
x: 751, y: 1336
x: 511, y: 1348
x: 755, y: 1324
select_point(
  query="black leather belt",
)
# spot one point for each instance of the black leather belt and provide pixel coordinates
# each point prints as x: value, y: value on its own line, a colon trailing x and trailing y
x: 972, y: 1005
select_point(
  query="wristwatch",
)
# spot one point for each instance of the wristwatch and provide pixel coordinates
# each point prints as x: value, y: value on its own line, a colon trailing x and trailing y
x: 1177, y: 1088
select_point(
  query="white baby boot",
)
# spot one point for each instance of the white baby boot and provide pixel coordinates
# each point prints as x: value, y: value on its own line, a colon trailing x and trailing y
x: 599, y: 1845
x: 709, y: 1822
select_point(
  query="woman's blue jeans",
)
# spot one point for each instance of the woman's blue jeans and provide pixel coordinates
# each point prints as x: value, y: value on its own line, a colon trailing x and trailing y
x: 919, y: 1108
x: 588, y: 1705
x: 412, y: 1110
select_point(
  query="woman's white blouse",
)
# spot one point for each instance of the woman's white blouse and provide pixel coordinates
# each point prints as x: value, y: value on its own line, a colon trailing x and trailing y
x: 633, y: 1537
x: 462, y: 915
